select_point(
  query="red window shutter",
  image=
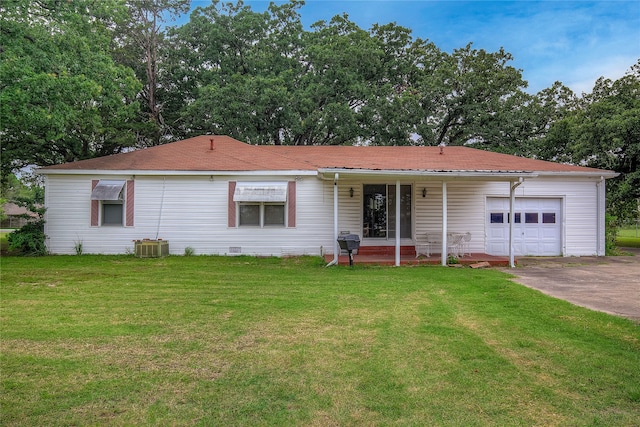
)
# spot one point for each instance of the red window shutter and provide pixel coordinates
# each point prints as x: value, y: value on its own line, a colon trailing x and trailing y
x: 95, y: 206
x: 231, y: 205
x: 130, y: 203
x: 291, y: 197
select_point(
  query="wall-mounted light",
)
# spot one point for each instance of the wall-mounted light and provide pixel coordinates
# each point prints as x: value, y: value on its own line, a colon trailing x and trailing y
x: 351, y: 192
x: 424, y: 192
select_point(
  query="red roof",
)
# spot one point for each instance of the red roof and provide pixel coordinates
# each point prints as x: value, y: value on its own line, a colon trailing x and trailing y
x: 228, y: 154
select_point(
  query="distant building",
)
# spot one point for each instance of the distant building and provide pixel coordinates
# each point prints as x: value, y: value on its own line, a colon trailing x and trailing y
x: 16, y: 216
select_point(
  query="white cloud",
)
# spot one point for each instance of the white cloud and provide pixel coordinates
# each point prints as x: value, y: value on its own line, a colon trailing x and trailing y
x: 583, y: 77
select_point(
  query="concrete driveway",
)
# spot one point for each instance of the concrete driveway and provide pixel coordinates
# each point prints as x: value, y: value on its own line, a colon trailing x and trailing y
x: 608, y: 284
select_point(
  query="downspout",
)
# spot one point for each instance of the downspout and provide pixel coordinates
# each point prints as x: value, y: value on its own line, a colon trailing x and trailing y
x: 397, y: 223
x: 512, y: 202
x: 336, y: 252
x: 164, y: 184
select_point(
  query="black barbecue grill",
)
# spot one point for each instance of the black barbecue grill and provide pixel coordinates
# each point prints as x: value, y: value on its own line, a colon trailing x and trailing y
x: 349, y: 243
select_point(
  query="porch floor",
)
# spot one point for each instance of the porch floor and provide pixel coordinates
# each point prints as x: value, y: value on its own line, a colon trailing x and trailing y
x: 410, y: 259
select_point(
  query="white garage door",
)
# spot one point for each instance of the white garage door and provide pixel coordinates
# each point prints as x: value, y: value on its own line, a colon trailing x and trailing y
x: 536, y: 229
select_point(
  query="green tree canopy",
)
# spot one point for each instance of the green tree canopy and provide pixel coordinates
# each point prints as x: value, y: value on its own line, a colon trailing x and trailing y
x: 603, y: 131
x: 62, y: 98
x: 140, y: 45
x: 85, y: 78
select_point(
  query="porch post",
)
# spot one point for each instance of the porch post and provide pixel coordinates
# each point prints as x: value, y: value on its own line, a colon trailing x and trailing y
x: 444, y: 223
x: 336, y: 250
x: 397, y: 223
x: 512, y: 202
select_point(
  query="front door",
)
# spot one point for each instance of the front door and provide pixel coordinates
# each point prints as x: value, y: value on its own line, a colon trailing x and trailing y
x: 379, y: 211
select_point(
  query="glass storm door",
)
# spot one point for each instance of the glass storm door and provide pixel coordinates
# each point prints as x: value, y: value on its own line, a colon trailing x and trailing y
x: 379, y: 211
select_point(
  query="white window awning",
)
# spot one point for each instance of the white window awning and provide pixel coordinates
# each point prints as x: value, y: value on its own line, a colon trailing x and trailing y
x: 260, y: 192
x: 107, y: 190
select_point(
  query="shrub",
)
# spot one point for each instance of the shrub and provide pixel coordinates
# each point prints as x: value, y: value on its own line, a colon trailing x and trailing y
x: 611, y: 232
x: 29, y: 239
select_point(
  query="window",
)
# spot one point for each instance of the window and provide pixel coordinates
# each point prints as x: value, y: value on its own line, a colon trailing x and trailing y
x: 249, y: 214
x: 274, y: 214
x: 263, y: 204
x: 549, y: 218
x: 497, y: 218
x: 531, y: 217
x: 261, y: 214
x: 112, y: 203
x: 111, y: 212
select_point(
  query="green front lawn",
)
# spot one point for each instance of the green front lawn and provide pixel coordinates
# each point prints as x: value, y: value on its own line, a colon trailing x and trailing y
x: 92, y: 340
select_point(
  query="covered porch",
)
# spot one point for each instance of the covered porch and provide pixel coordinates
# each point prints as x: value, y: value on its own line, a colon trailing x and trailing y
x: 412, y: 205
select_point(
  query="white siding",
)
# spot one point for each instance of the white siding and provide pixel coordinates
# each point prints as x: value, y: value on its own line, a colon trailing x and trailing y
x: 192, y: 211
x: 579, y: 216
x: 466, y: 209
x: 186, y: 211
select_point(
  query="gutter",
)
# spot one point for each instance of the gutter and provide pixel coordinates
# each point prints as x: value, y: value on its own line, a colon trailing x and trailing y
x: 94, y: 172
x: 600, y: 230
x: 492, y: 175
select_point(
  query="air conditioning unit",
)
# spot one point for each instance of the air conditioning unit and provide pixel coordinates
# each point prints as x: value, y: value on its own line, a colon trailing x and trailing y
x: 151, y: 248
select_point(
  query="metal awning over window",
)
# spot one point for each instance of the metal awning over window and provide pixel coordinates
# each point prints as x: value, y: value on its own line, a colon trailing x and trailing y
x: 260, y: 192
x: 107, y: 190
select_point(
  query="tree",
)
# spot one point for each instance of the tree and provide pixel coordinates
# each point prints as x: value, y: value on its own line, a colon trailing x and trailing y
x: 62, y: 98
x: 466, y: 97
x: 139, y: 45
x: 233, y: 70
x: 262, y: 78
x: 397, y: 103
x: 342, y: 64
x: 603, y: 131
x: 529, y: 126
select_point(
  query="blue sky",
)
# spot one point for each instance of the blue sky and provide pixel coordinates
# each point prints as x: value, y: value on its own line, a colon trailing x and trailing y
x: 574, y: 42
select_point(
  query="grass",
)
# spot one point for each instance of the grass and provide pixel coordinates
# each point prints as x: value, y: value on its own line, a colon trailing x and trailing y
x: 628, y: 237
x: 4, y: 242
x: 91, y: 340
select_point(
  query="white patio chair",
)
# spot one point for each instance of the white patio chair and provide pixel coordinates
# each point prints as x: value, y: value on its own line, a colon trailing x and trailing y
x: 465, y: 246
x: 454, y: 244
x: 423, y: 245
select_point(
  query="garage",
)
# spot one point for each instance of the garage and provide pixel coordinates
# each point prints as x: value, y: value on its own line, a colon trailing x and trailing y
x: 537, y: 228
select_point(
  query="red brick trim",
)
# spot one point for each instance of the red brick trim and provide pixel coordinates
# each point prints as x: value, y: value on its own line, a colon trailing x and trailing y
x: 95, y: 207
x: 291, y: 198
x: 231, y: 205
x: 130, y: 203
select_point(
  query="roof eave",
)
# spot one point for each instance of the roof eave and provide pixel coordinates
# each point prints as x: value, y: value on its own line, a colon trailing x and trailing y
x: 137, y: 172
x: 329, y: 173
x: 586, y: 174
